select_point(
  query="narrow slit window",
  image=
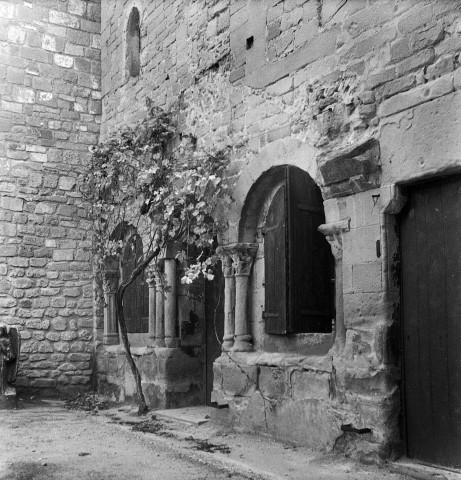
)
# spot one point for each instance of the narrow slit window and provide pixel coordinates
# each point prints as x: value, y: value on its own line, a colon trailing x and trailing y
x: 133, y: 43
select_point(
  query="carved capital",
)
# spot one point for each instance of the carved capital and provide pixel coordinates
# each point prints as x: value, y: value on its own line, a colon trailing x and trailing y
x: 242, y: 263
x: 333, y: 232
x: 110, y: 281
x: 150, y: 277
x: 242, y: 255
x: 227, y: 265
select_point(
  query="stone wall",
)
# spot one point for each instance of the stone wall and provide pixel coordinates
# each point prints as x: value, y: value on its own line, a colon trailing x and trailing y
x: 362, y: 95
x: 49, y: 117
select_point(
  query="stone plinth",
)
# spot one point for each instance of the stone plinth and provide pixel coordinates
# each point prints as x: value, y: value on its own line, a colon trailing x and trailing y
x: 9, y: 400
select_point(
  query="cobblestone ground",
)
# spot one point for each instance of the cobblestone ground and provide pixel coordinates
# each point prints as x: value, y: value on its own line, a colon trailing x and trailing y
x: 45, y: 442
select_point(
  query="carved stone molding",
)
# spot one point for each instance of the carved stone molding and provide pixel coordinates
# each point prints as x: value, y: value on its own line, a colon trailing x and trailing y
x: 110, y: 281
x: 333, y: 232
x: 393, y: 201
x: 227, y: 265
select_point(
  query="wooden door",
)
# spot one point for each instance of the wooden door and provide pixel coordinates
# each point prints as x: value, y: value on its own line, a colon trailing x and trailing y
x: 298, y: 263
x: 214, y: 325
x: 275, y: 249
x: 311, y: 263
x: 431, y: 307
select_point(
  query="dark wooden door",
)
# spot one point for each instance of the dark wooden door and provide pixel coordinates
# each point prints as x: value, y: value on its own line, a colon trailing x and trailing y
x: 311, y: 263
x: 275, y: 240
x: 298, y: 263
x: 431, y: 307
x: 214, y: 325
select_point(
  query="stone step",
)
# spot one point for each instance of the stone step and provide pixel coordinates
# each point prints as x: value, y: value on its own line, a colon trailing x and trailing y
x: 188, y: 415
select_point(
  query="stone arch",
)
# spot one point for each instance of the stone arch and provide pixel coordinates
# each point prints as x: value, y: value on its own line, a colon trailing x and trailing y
x: 262, y: 173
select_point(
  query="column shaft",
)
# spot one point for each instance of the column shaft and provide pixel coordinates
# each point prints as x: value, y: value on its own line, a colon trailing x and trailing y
x: 110, y: 320
x: 152, y: 307
x: 159, y: 316
x: 229, y: 303
x: 242, y: 341
x: 171, y: 339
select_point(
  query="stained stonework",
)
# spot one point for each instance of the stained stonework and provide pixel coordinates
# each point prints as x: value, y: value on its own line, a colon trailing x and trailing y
x: 355, y: 94
x: 363, y: 96
x: 49, y: 117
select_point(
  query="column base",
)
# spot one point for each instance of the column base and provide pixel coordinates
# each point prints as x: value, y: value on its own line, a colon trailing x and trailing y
x: 111, y: 339
x: 228, y: 343
x: 171, y: 342
x: 159, y: 342
x: 8, y: 400
x: 242, y: 343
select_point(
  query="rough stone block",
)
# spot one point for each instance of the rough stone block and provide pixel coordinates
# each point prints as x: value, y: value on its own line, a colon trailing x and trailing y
x: 239, y: 380
x: 343, y: 164
x: 377, y: 384
x: 281, y: 87
x: 359, y: 245
x: 423, y: 93
x: 367, y: 277
x: 428, y: 37
x: 417, y: 17
x: 399, y: 85
x: 310, y: 385
x: 77, y: 7
x: 416, y: 61
x: 63, y: 255
x: 272, y: 382
x: 365, y: 310
x: 8, y: 251
x: 64, y: 19
x: 363, y: 47
x: 64, y: 61
x: 23, y: 95
x: 442, y: 66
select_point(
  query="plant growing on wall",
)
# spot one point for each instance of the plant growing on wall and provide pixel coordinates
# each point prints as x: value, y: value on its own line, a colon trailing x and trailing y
x: 157, y: 181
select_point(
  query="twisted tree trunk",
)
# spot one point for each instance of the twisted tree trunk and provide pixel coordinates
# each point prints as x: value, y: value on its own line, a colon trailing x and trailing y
x: 143, y: 408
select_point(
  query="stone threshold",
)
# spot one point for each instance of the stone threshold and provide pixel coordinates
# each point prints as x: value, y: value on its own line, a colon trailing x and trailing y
x: 421, y: 471
x: 189, y: 415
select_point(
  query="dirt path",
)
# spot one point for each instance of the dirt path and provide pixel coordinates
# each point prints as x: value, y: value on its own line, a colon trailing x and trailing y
x: 41, y: 443
x: 43, y: 440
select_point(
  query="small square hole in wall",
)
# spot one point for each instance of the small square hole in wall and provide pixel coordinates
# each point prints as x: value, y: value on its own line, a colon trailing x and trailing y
x: 250, y: 42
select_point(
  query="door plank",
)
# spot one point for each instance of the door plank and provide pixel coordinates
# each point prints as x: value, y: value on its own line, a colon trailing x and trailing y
x: 451, y: 202
x: 439, y: 446
x: 275, y: 281
x: 410, y: 301
x: 431, y: 309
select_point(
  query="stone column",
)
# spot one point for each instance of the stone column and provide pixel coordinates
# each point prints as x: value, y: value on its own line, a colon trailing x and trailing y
x: 242, y: 256
x: 334, y: 234
x: 171, y: 339
x: 110, y: 284
x: 229, y: 302
x: 152, y: 305
x: 159, y: 309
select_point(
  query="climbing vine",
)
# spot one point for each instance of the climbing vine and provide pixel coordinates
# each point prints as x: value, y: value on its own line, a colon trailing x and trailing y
x: 153, y: 180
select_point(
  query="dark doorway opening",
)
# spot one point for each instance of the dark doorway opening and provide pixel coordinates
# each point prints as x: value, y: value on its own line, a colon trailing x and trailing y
x: 214, y: 325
